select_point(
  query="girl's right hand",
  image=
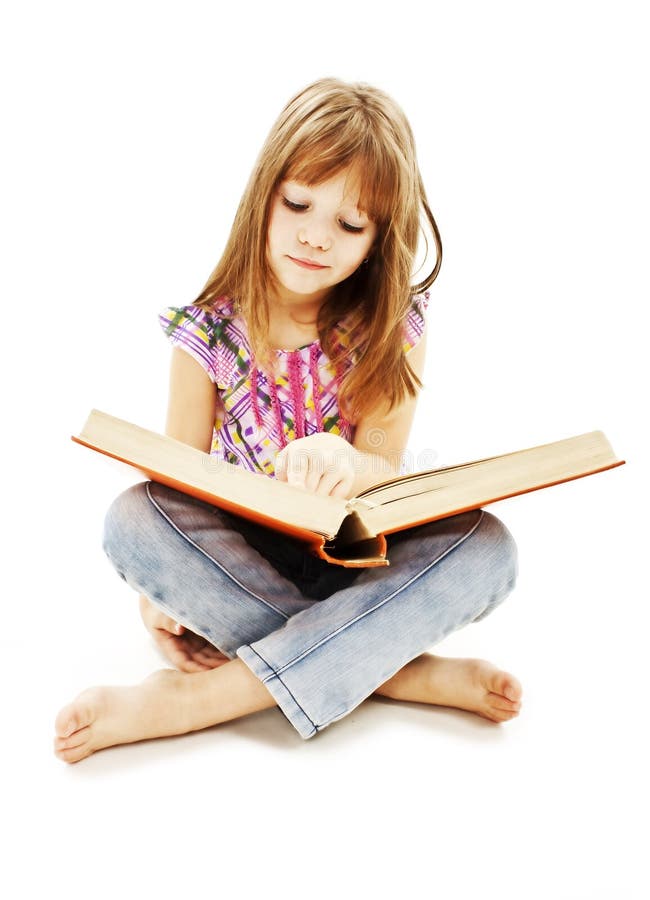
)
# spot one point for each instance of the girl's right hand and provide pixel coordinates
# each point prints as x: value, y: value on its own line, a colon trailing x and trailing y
x: 185, y: 650
x: 322, y: 463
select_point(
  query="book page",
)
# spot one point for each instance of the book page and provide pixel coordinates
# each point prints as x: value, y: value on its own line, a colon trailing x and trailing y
x: 428, y: 496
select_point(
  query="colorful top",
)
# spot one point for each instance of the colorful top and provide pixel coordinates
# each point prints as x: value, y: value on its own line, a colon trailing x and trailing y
x: 260, y: 417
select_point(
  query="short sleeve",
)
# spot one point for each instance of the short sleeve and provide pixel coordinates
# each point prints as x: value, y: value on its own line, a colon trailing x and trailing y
x: 415, y: 321
x: 196, y: 331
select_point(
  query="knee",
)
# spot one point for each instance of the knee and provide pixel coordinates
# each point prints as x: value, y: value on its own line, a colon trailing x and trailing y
x: 500, y: 560
x: 503, y: 550
x: 125, y: 526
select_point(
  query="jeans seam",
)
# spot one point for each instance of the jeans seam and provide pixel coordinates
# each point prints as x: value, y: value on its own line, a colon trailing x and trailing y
x: 211, y: 558
x: 398, y: 590
x: 283, y: 683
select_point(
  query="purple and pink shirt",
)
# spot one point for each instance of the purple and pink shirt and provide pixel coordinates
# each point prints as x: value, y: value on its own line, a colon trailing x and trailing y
x: 258, y: 417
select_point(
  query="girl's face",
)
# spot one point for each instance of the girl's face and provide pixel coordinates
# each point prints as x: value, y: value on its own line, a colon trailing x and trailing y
x: 317, y: 237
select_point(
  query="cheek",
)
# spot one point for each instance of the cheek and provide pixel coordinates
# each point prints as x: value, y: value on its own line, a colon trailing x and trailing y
x: 364, y: 243
x: 271, y: 230
x: 356, y: 253
x: 277, y: 226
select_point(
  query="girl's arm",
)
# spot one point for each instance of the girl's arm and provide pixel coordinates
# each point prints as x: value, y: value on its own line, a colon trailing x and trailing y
x: 381, y: 440
x: 192, y: 405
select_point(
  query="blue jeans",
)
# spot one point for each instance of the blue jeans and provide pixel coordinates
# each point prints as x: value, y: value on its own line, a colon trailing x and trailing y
x: 320, y: 637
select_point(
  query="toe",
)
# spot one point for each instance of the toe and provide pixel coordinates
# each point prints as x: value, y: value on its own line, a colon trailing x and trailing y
x: 77, y: 715
x: 70, y: 719
x: 506, y: 685
x: 504, y: 715
x: 73, y: 754
x: 76, y: 739
x: 499, y: 715
x: 499, y: 702
x: 75, y: 747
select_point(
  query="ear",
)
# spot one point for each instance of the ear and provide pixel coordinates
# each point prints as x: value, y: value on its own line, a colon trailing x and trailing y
x: 371, y: 250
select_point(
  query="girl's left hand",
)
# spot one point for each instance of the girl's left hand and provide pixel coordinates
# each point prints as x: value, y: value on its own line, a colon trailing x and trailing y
x: 322, y: 463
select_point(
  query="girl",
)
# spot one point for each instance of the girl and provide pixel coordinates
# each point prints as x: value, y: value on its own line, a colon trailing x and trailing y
x: 301, y: 360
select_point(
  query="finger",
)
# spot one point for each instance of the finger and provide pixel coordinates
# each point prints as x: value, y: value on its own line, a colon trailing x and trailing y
x: 212, y: 664
x: 328, y: 482
x: 207, y: 658
x: 197, y: 650
x: 314, y: 477
x: 343, y: 488
x: 191, y: 665
x: 218, y: 654
x: 159, y: 619
x: 185, y: 662
x: 297, y: 468
x: 168, y: 645
x: 200, y: 647
x: 173, y: 649
x: 336, y: 483
x: 192, y: 642
x: 281, y: 466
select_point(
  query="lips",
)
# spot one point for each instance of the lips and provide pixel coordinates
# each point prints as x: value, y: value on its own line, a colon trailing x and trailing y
x: 306, y: 263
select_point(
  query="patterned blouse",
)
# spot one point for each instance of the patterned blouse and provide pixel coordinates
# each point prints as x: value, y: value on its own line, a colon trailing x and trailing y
x: 260, y: 417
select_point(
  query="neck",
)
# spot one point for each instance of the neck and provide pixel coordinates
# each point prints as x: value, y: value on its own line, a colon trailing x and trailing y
x: 298, y: 309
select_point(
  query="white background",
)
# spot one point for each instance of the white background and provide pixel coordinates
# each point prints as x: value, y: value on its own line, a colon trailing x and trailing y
x: 129, y: 133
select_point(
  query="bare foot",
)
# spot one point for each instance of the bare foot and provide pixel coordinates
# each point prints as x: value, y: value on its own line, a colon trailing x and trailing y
x: 471, y: 684
x: 187, y: 651
x: 104, y: 716
x: 164, y: 704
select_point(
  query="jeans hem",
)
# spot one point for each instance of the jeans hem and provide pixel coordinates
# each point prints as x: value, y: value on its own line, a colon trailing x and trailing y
x: 288, y: 704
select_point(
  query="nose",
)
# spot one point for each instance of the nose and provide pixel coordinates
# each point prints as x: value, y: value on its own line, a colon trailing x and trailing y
x: 315, y: 234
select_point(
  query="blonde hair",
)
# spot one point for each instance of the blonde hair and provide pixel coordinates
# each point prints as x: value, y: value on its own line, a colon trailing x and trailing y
x: 328, y: 128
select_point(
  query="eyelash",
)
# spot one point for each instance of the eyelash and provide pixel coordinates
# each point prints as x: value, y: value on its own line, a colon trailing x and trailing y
x: 300, y: 207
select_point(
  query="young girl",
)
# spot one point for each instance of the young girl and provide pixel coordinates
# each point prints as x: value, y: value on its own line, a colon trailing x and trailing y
x: 301, y: 360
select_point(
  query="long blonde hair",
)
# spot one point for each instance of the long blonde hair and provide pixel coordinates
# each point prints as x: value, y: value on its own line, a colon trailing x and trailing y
x: 328, y: 128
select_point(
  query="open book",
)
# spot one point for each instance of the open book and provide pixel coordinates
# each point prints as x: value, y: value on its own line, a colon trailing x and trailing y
x: 346, y: 532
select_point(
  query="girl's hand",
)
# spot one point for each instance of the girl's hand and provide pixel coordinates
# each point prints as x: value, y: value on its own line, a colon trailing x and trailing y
x: 187, y: 651
x: 322, y: 464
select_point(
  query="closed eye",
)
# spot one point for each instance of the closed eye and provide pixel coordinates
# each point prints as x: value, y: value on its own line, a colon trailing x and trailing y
x: 297, y: 207
x: 301, y: 207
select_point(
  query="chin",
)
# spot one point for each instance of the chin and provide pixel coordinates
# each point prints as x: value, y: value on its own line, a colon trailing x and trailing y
x: 303, y: 287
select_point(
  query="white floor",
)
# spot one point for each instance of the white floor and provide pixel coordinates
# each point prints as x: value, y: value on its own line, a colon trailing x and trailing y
x: 397, y: 798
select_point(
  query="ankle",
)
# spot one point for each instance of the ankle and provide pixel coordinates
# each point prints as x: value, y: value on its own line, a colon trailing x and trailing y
x: 406, y: 682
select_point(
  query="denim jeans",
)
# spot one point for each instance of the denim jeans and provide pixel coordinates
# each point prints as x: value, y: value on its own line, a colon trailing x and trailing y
x: 320, y: 637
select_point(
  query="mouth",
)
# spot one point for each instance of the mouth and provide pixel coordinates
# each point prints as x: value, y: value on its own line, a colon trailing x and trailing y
x: 306, y: 263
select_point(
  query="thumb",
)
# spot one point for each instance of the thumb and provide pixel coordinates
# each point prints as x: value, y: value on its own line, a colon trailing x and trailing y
x: 166, y: 623
x: 281, y: 466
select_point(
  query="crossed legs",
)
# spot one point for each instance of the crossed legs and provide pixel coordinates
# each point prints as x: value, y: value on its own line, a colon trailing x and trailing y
x: 212, y: 688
